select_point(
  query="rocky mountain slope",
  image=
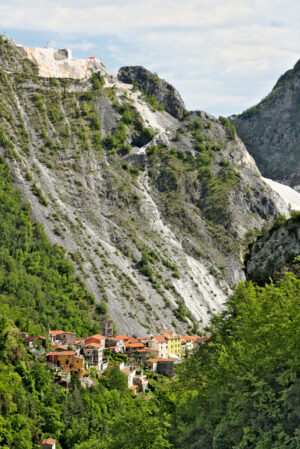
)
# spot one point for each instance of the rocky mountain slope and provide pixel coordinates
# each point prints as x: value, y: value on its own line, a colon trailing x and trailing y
x: 151, y: 202
x: 271, y: 130
x: 274, y: 250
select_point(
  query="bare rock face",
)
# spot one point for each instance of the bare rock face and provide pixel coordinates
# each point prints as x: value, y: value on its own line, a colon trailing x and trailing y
x: 271, y: 130
x: 63, y: 53
x: 59, y: 63
x: 151, y: 84
x: 274, y: 250
x: 152, y: 210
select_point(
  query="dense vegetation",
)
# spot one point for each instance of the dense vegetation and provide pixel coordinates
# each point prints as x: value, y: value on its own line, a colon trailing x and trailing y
x: 38, y: 287
x: 242, y: 389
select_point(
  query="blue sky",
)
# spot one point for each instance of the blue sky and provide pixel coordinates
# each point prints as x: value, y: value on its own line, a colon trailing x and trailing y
x: 222, y: 56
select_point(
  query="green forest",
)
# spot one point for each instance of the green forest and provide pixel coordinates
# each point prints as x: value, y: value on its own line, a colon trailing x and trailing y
x: 241, y: 390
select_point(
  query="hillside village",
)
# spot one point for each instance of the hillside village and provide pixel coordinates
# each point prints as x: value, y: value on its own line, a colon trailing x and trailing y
x: 134, y: 356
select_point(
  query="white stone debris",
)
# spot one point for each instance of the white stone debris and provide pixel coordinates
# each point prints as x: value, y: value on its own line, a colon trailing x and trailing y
x: 289, y: 195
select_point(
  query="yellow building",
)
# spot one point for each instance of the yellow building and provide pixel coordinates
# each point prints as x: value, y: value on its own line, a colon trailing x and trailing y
x: 67, y: 360
x: 174, y: 343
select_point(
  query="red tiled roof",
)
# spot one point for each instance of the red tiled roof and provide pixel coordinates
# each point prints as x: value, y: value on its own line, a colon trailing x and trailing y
x: 141, y: 350
x: 94, y: 345
x: 134, y: 345
x: 122, y: 337
x: 34, y: 338
x: 94, y: 339
x: 49, y: 441
x: 97, y: 336
x: 54, y: 346
x: 159, y: 338
x: 133, y: 387
x: 61, y: 353
x: 132, y: 340
x: 165, y: 332
x: 160, y: 360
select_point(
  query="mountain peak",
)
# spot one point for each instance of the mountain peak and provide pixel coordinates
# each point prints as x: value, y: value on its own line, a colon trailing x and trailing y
x: 152, y: 85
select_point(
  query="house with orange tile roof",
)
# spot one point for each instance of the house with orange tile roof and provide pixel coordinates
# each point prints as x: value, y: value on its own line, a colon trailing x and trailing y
x: 97, y: 338
x: 163, y: 366
x: 189, y: 342
x: 131, y: 348
x: 62, y: 337
x: 122, y: 337
x: 144, y: 340
x: 93, y: 353
x: 55, y: 347
x: 67, y: 360
x: 160, y: 343
x: 132, y: 340
x: 48, y: 443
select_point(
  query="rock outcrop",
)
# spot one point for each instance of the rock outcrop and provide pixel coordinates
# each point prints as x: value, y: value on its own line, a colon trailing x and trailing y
x: 151, y: 84
x: 59, y: 63
x: 271, y: 130
x: 274, y: 250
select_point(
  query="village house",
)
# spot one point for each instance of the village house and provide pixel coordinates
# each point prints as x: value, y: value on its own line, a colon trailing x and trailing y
x: 49, y: 443
x: 141, y: 381
x: 174, y: 343
x: 62, y: 337
x: 97, y: 338
x: 163, y: 366
x: 125, y: 338
x: 68, y: 361
x: 33, y: 342
x: 132, y: 340
x: 93, y: 353
x: 143, y: 354
x: 144, y: 340
x: 130, y: 376
x: 131, y: 348
x: 187, y: 344
x: 114, y: 344
x: 160, y: 344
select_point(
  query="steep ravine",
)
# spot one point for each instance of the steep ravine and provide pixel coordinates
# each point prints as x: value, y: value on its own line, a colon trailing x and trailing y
x: 152, y: 209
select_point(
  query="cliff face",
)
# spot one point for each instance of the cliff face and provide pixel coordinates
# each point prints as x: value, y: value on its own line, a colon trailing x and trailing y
x: 151, y: 206
x: 271, y: 130
x: 274, y: 250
